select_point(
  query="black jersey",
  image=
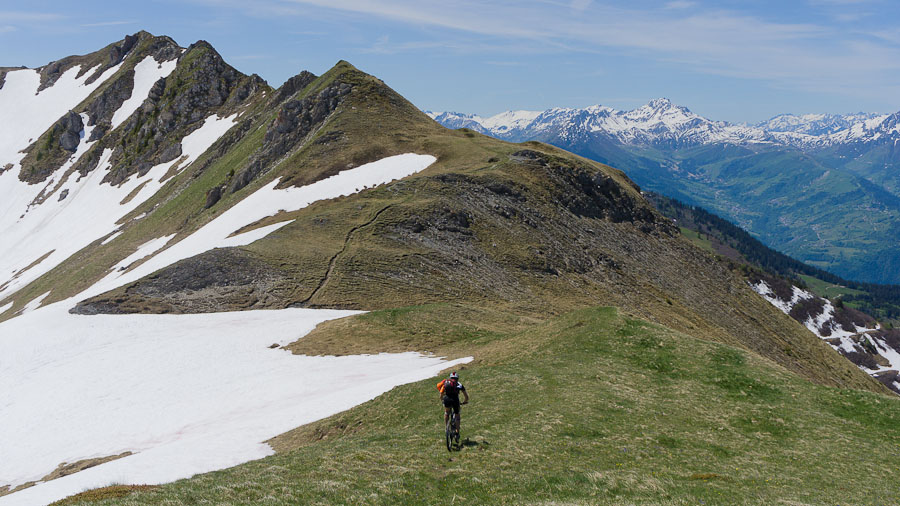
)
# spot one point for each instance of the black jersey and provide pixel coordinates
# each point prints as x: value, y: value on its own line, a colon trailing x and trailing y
x: 451, y: 390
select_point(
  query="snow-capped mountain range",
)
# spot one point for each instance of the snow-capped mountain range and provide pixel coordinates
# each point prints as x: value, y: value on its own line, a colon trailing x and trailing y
x: 662, y: 122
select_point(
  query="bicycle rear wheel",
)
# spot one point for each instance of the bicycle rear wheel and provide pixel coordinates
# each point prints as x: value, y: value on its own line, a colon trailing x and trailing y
x: 448, y: 430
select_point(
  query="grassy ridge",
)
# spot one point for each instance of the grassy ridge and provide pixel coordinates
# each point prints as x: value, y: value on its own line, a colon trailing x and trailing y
x: 589, y: 407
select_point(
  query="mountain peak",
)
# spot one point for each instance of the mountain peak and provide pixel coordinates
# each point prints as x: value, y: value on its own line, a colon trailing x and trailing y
x: 658, y: 103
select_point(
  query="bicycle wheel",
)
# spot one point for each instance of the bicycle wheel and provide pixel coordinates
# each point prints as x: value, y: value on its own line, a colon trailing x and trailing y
x: 448, y: 430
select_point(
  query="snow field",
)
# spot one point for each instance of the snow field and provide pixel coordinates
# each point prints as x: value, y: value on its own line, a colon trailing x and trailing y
x: 146, y: 73
x: 88, y: 213
x: 186, y: 393
x: 25, y: 114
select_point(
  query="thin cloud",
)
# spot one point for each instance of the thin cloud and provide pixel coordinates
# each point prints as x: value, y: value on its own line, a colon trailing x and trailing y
x: 26, y: 16
x: 849, y: 17
x: 580, y: 5
x: 7, y: 28
x: 803, y: 56
x: 839, y: 2
x: 505, y: 63
x: 681, y: 4
x: 108, y: 23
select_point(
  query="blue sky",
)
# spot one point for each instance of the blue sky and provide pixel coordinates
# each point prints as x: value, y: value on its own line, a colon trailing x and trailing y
x: 727, y: 60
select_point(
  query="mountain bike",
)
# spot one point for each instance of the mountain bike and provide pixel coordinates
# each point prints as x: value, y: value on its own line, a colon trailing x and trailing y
x: 451, y: 431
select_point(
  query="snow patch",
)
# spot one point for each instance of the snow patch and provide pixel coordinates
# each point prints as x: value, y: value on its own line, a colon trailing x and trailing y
x: 34, y: 303
x: 146, y: 73
x: 111, y: 237
x: 92, y: 209
x: 842, y: 340
x: 785, y: 306
x: 186, y: 394
x: 144, y: 250
x: 25, y: 113
x: 892, y: 355
x: 4, y: 308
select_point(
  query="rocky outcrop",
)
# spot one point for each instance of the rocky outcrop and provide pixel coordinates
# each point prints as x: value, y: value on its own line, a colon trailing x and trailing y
x: 201, y: 85
x: 118, y: 51
x: 71, y: 127
x: 53, y: 148
x: 292, y: 86
x: 295, y: 121
x: 598, y: 195
x: 224, y: 279
x: 213, y: 196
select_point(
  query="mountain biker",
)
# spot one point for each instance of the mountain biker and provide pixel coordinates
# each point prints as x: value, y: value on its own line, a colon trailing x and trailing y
x: 450, y: 389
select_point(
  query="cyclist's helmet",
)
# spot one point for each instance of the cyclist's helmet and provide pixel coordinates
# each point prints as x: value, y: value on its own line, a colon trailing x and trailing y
x: 454, y: 376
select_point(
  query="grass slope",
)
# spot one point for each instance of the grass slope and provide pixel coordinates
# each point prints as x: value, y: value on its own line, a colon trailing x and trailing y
x: 713, y: 233
x: 588, y: 407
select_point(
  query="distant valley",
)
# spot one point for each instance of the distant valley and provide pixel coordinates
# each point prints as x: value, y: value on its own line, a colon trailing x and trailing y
x: 822, y: 188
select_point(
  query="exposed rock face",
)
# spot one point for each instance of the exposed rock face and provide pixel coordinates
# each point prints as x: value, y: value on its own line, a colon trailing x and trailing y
x: 71, y: 127
x: 170, y: 153
x: 293, y: 85
x: 108, y: 102
x: 599, y: 196
x: 55, y: 146
x: 201, y: 85
x: 213, y: 196
x: 117, y: 52
x: 156, y: 91
x: 101, y: 60
x: 295, y: 120
x: 220, y: 279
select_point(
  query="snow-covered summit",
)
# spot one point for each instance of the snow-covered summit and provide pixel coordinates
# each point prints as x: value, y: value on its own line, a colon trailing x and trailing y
x: 661, y: 121
x: 815, y: 124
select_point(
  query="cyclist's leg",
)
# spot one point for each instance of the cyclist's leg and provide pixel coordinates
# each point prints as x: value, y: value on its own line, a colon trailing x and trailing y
x: 447, y: 406
x: 456, y: 411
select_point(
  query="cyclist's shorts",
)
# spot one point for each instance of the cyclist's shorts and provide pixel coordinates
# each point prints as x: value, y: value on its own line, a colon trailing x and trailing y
x: 450, y: 402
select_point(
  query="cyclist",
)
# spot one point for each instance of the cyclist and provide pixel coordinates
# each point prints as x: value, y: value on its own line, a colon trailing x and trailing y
x: 450, y: 389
